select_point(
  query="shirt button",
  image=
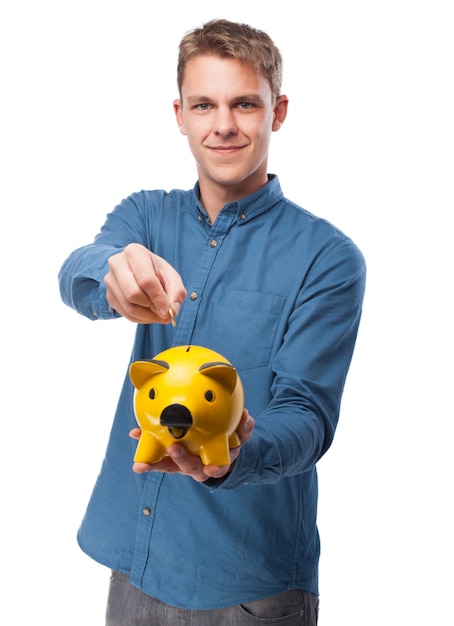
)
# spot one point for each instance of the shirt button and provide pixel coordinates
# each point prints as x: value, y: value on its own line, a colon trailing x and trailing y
x: 243, y: 216
x: 301, y: 612
x: 193, y: 295
x: 146, y: 510
x: 213, y: 243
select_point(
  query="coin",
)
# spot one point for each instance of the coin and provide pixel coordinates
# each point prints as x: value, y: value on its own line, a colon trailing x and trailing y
x: 172, y: 317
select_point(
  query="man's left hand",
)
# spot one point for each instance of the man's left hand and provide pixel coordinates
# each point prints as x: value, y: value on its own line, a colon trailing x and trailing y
x: 179, y: 460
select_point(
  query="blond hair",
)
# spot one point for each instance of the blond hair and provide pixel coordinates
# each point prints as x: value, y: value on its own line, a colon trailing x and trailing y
x: 226, y: 39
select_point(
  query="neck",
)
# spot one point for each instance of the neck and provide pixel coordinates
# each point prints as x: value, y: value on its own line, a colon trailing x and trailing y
x: 214, y: 197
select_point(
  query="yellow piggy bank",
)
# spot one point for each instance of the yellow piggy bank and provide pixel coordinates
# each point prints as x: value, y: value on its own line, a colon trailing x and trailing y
x: 190, y: 395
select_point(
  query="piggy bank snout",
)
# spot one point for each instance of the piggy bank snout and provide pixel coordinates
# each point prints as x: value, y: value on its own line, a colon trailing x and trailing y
x: 177, y: 418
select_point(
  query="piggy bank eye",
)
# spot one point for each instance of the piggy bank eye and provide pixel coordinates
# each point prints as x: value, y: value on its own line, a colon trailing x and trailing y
x: 209, y: 396
x: 152, y: 393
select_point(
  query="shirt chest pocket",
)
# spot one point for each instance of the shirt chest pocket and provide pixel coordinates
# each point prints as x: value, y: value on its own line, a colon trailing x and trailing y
x: 246, y: 324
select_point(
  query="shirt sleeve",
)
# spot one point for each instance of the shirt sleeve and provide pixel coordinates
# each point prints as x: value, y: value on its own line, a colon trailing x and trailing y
x: 309, y: 373
x: 81, y: 277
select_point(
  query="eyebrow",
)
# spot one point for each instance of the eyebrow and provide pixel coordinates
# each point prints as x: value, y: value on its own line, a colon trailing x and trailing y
x: 195, y: 99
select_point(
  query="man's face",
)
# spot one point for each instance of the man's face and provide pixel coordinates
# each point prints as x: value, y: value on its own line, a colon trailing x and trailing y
x: 227, y: 112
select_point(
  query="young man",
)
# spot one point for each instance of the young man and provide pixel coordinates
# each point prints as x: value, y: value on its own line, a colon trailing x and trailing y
x: 274, y: 289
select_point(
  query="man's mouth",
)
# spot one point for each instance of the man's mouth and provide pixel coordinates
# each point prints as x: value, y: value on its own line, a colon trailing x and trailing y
x: 226, y: 149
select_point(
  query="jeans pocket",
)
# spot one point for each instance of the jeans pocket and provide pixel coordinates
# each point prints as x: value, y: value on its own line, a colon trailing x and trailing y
x: 291, y: 608
x: 282, y: 608
x: 115, y: 575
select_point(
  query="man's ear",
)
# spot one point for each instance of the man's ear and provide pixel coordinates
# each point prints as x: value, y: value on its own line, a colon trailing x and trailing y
x: 280, y: 112
x: 178, y: 109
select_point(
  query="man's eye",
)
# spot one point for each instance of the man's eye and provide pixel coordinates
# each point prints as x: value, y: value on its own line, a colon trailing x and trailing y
x: 203, y: 107
x: 245, y: 105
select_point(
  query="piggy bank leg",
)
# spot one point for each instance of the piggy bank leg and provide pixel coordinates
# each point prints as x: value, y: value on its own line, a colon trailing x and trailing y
x: 149, y: 449
x: 215, y: 451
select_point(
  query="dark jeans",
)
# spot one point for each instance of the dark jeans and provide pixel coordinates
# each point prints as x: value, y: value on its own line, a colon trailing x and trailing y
x: 128, y: 606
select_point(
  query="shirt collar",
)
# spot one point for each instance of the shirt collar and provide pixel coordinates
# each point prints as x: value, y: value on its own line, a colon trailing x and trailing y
x: 250, y: 206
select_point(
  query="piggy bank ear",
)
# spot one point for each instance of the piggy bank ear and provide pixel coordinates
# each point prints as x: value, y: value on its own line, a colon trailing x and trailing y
x: 141, y: 371
x: 223, y: 373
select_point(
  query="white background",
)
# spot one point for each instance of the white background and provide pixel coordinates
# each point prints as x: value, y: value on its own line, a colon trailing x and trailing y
x: 86, y: 119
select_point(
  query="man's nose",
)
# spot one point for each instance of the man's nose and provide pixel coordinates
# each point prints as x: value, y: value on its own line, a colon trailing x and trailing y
x: 225, y: 122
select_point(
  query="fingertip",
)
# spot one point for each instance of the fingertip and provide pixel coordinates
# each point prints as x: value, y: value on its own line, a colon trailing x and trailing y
x: 175, y: 451
x: 216, y: 471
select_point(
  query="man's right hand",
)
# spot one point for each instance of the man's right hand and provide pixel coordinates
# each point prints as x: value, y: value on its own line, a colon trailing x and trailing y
x: 142, y: 286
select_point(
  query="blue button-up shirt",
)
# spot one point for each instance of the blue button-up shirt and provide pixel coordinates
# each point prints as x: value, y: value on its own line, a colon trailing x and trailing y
x: 278, y: 292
